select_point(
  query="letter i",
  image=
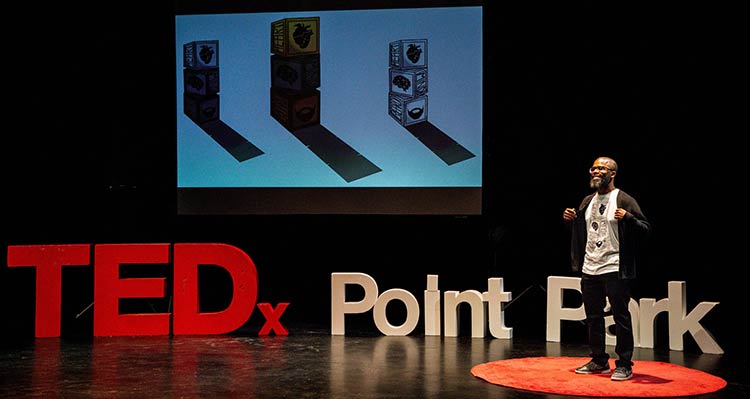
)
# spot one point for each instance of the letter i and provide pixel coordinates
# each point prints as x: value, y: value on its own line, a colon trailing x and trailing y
x: 432, y: 307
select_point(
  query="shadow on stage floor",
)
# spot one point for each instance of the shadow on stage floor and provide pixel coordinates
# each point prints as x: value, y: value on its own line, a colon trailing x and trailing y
x: 309, y: 363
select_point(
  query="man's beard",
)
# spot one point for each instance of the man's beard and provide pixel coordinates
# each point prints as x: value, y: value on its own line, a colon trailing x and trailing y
x: 597, y: 183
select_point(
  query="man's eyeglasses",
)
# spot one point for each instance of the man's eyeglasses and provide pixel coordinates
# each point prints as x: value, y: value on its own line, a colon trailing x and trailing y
x: 599, y: 169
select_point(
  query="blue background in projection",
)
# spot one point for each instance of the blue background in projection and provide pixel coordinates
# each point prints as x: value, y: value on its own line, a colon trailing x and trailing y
x: 354, y: 46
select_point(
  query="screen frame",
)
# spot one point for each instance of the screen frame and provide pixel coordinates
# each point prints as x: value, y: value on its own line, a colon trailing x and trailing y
x: 455, y: 201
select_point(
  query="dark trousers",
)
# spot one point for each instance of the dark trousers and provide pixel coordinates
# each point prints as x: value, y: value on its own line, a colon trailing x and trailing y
x: 595, y: 291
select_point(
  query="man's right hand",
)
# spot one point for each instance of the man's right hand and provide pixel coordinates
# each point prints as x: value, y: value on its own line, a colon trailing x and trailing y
x: 569, y: 214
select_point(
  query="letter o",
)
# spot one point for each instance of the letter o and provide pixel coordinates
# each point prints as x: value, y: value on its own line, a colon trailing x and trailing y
x: 412, y: 312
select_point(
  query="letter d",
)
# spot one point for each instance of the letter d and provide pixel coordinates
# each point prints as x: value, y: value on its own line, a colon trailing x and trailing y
x: 187, y: 317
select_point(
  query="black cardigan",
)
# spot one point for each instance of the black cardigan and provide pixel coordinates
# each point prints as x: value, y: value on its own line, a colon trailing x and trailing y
x: 633, y: 231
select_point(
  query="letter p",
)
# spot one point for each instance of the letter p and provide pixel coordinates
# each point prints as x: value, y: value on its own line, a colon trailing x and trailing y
x: 339, y: 306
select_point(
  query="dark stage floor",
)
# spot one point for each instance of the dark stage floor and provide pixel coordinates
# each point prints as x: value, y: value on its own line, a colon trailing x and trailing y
x: 305, y: 364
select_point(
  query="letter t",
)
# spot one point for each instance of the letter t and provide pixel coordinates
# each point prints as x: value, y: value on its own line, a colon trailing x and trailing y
x: 49, y: 260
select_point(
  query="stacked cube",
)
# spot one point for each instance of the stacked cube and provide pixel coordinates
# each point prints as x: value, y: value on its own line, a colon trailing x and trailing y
x: 201, y: 80
x: 407, y: 97
x: 295, y: 72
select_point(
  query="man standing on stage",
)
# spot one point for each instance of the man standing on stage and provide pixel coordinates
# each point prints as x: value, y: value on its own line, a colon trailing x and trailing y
x: 608, y: 231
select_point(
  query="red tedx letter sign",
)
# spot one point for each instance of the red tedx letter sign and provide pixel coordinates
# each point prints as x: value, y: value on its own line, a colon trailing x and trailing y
x: 187, y: 316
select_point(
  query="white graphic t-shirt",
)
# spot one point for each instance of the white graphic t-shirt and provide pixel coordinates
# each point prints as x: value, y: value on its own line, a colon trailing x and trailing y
x: 602, y: 246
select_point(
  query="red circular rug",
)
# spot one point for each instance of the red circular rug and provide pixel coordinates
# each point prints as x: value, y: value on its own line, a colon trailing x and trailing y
x: 557, y: 375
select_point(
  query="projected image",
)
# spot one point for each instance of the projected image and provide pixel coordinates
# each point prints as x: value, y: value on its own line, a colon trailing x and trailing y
x: 295, y: 42
x: 330, y: 100
x: 407, y: 100
x: 201, y: 98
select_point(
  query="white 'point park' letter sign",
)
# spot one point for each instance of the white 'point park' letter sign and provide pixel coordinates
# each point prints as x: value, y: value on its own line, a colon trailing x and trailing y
x: 488, y: 306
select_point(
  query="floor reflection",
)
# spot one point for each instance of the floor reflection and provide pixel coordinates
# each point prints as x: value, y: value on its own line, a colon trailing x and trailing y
x: 296, y: 366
